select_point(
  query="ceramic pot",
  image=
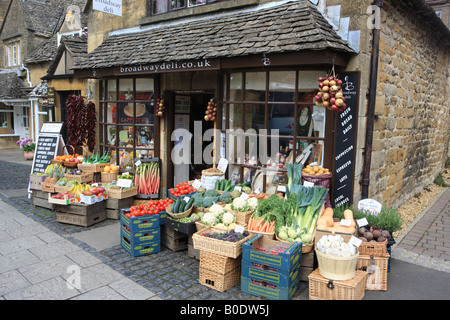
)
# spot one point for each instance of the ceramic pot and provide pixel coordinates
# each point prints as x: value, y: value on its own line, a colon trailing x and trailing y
x: 29, y: 155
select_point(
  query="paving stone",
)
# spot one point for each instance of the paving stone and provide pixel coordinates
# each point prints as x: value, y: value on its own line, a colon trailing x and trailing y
x: 51, y: 289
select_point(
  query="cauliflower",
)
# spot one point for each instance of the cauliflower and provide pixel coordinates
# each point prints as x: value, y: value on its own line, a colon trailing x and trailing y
x: 209, y: 218
x: 216, y: 209
x: 228, y: 218
x: 239, y: 204
x: 252, y: 203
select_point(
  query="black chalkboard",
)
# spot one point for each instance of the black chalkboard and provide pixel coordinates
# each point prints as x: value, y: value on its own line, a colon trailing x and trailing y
x: 345, y: 141
x: 46, y: 151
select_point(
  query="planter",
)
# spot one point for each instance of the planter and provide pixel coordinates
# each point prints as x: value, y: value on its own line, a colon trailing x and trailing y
x: 29, y: 155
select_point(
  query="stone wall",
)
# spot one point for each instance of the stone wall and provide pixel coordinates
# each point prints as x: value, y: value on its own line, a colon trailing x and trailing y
x: 412, y: 123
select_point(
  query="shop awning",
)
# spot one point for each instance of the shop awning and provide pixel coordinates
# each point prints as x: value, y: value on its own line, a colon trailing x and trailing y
x: 291, y: 27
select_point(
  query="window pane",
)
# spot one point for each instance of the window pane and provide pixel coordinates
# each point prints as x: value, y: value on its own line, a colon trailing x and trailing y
x: 160, y: 6
x: 235, y: 116
x: 255, y: 86
x: 111, y: 113
x: 236, y: 87
x: 125, y: 136
x: 126, y: 157
x: 111, y: 135
x: 281, y: 117
x: 308, y: 79
x: 305, y: 123
x: 112, y: 90
x: 144, y: 89
x: 126, y: 89
x: 193, y: 3
x: 254, y: 116
x: 177, y: 4
x: 144, y: 140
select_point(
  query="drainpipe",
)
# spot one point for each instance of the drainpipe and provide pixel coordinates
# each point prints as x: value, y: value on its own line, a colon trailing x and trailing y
x: 371, y: 104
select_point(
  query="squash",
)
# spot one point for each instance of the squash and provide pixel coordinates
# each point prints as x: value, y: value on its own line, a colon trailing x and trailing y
x: 348, y: 215
x: 328, y: 212
x: 330, y: 221
x: 322, y: 222
x: 343, y: 229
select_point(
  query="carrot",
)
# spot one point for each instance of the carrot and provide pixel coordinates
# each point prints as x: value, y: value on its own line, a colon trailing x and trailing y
x: 250, y: 221
x: 258, y: 224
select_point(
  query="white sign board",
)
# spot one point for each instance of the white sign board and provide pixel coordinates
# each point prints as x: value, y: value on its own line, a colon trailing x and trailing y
x: 109, y: 6
x: 369, y: 206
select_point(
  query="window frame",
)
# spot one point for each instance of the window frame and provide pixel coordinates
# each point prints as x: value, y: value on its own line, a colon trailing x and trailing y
x: 225, y: 102
x: 103, y: 123
x: 186, y: 5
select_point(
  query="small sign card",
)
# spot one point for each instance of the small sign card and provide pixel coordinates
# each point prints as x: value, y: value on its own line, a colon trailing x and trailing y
x: 369, y: 206
x: 223, y: 164
x: 124, y: 183
x: 196, y: 184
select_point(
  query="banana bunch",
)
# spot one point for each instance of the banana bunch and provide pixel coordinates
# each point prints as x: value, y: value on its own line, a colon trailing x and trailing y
x: 78, y: 188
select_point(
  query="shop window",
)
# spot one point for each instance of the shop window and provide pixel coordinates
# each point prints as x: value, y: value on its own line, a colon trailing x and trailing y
x: 164, y: 6
x: 6, y: 120
x: 273, y: 115
x: 127, y: 120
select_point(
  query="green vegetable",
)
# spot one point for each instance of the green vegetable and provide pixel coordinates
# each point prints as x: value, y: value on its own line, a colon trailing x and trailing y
x: 235, y: 194
x: 246, y: 190
x: 225, y: 197
x: 195, y: 217
x: 217, y: 185
x: 201, y: 190
x: 176, y: 205
x: 209, y: 201
x: 211, y: 193
x: 189, y: 203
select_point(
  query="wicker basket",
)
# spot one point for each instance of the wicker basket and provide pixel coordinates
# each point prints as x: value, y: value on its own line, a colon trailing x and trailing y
x: 376, y: 268
x: 218, y: 281
x: 82, y: 178
x: 70, y: 164
x: 92, y: 167
x: 119, y: 193
x: 336, y: 268
x: 178, y: 215
x: 218, y: 263
x: 373, y: 248
x: 242, y: 218
x: 220, y: 247
x: 321, y: 288
x: 267, y: 235
x: 305, y: 249
x: 108, y: 177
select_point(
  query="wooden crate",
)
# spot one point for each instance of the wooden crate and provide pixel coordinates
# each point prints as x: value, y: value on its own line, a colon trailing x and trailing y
x: 173, y: 240
x: 95, y: 167
x: 376, y: 268
x: 85, y: 177
x: 119, y: 193
x: 308, y: 264
x: 192, y: 253
x: 113, y: 207
x: 321, y: 288
x: 40, y: 199
x: 81, y: 214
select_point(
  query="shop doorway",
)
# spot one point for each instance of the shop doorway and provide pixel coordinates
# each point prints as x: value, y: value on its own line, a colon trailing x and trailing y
x: 184, y: 110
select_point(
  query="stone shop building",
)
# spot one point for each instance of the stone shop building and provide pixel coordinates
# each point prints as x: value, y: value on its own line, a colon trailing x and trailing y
x: 259, y: 61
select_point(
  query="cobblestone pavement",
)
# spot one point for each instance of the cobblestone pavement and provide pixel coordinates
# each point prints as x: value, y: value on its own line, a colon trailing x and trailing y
x: 174, y: 275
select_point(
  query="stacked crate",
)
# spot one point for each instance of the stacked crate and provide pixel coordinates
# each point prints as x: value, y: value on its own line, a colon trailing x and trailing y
x: 374, y: 260
x: 271, y: 268
x: 140, y: 235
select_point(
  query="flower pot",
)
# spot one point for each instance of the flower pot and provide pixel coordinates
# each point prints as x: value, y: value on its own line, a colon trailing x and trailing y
x: 29, y: 155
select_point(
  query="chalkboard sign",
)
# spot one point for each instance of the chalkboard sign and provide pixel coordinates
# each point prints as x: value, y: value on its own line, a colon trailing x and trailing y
x: 345, y: 141
x: 46, y: 150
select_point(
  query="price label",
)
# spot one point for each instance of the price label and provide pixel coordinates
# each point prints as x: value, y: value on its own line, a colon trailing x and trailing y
x: 355, y: 241
x: 196, y: 184
x: 238, y: 188
x: 124, y: 183
x: 186, y: 199
x: 362, y: 222
x: 239, y: 229
x: 257, y: 191
x: 138, y: 163
x: 345, y: 223
x: 223, y: 164
x: 308, y: 184
x: 281, y: 188
x: 244, y: 196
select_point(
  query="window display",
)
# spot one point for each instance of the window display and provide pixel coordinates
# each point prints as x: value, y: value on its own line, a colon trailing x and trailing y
x: 128, y: 123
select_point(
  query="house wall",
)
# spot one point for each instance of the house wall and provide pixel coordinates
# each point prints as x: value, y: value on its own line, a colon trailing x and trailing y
x: 412, y: 123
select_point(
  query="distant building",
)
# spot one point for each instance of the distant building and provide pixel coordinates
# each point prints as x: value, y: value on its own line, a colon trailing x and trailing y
x: 442, y: 8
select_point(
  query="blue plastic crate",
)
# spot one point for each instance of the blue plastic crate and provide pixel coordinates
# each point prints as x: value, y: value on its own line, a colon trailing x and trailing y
x: 275, y: 276
x: 285, y: 261
x: 162, y: 218
x: 145, y: 235
x: 269, y: 291
x: 140, y: 249
x: 136, y: 224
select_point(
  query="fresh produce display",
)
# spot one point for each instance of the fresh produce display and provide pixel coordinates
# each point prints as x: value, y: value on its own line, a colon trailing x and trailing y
x: 182, y: 204
x: 56, y: 171
x: 268, y: 215
x: 97, y: 158
x: 243, y: 205
x: 70, y: 158
x: 373, y: 234
x: 125, y: 176
x: 62, y: 196
x: 330, y: 94
x: 315, y: 170
x: 302, y: 208
x: 95, y: 191
x: 78, y: 188
x: 160, y: 108
x: 75, y: 172
x: 182, y: 188
x: 326, y: 222
x: 223, y: 185
x: 217, y: 216
x: 231, y: 235
x: 261, y: 225
x: 336, y: 246
x: 112, y: 168
x: 211, y: 109
x: 151, y: 208
x: 147, y: 178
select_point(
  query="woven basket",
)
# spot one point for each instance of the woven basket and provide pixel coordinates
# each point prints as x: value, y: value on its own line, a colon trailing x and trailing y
x: 218, y: 263
x: 82, y: 178
x: 178, y: 215
x: 220, y: 247
x: 373, y: 248
x: 305, y: 249
x: 119, y: 193
x: 92, y: 167
x: 108, y: 177
x: 376, y: 268
x: 321, y: 288
x: 218, y: 281
x: 70, y: 164
x: 336, y: 268
x: 267, y: 235
x: 242, y: 218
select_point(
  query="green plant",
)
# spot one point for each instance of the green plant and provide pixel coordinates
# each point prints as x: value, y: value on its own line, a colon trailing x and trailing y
x: 26, y: 144
x: 440, y: 181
